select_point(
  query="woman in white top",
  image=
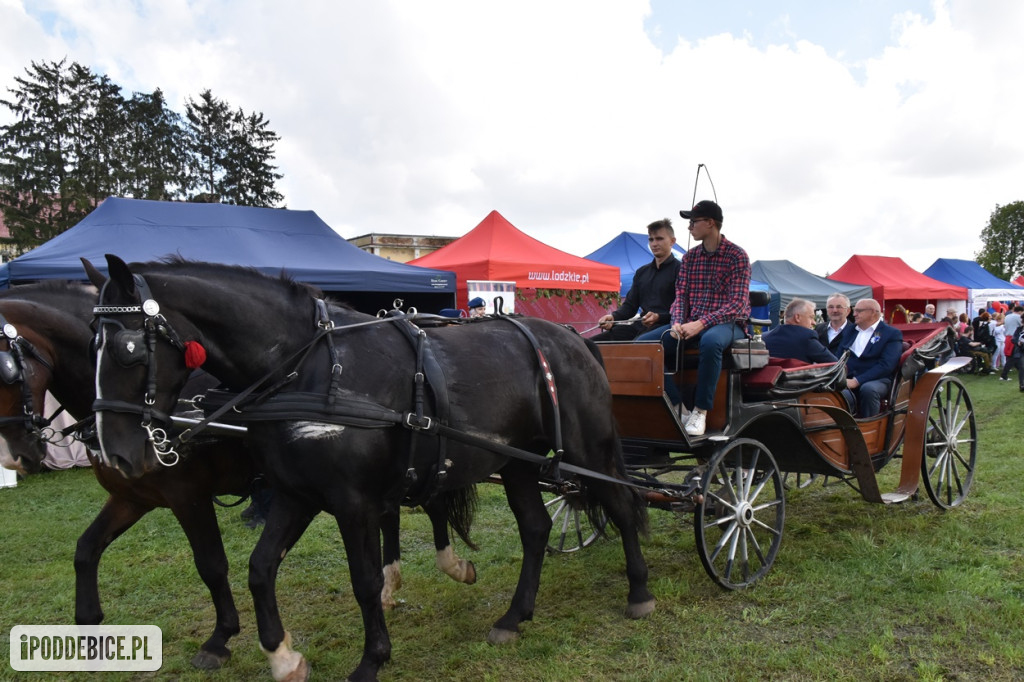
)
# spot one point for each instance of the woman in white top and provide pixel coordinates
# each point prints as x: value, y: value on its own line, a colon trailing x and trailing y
x: 999, y: 334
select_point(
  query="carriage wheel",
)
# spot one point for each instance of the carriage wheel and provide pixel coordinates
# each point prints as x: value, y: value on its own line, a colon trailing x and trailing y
x: 571, y: 529
x: 738, y: 520
x: 951, y: 444
x: 797, y: 480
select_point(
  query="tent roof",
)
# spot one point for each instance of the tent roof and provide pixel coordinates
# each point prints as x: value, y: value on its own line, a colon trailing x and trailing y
x: 890, y: 278
x: 1019, y: 280
x: 628, y: 251
x: 269, y: 240
x: 497, y: 250
x: 970, y: 274
x: 792, y: 281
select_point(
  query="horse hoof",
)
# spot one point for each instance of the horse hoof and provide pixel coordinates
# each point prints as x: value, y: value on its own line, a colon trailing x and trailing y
x: 641, y: 610
x: 470, y: 573
x: 300, y: 674
x: 208, y: 660
x: 499, y: 636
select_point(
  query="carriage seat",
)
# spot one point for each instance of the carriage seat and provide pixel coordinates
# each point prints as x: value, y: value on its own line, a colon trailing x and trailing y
x: 786, y: 377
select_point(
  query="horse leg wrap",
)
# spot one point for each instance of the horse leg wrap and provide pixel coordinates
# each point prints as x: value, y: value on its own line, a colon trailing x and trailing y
x: 458, y: 569
x: 392, y: 581
x: 286, y: 665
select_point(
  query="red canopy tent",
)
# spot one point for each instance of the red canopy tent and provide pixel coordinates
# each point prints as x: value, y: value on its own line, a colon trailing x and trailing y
x: 1019, y: 280
x: 550, y: 284
x: 893, y: 283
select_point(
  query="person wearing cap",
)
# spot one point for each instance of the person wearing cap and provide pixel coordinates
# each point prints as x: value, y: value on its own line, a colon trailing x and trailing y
x: 477, y: 307
x: 652, y: 291
x: 712, y: 294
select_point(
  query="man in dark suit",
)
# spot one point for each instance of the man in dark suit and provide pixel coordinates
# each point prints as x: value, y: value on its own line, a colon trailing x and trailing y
x: 796, y: 339
x: 837, y: 309
x: 875, y: 350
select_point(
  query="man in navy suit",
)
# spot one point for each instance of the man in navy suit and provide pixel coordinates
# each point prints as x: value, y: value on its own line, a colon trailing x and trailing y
x: 875, y: 350
x: 796, y: 338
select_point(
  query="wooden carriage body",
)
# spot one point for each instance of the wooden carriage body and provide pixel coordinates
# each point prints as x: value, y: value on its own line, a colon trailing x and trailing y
x: 796, y: 410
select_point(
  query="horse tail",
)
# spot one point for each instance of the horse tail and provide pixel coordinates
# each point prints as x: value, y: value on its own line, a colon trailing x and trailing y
x: 597, y: 512
x: 595, y: 351
x: 460, y: 508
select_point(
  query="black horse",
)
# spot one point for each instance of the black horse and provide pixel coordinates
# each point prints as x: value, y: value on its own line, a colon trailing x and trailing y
x: 353, y: 414
x: 54, y: 319
x: 49, y: 349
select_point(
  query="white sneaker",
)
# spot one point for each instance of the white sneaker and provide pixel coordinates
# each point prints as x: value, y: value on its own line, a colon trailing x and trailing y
x: 695, y: 425
x: 684, y: 414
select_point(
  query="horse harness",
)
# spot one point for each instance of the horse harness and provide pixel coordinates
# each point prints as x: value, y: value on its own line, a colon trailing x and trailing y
x: 13, y: 369
x: 338, y: 405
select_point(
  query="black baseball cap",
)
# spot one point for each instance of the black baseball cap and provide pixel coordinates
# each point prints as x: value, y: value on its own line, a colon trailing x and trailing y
x: 704, y: 209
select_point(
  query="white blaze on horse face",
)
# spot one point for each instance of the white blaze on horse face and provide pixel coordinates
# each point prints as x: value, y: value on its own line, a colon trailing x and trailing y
x: 319, y: 430
x: 7, y: 460
x: 99, y: 394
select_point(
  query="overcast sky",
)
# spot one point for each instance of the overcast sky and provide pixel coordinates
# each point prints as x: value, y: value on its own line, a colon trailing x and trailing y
x: 875, y: 127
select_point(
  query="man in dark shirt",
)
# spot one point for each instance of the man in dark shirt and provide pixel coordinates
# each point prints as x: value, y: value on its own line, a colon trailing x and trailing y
x: 652, y: 291
x: 797, y: 339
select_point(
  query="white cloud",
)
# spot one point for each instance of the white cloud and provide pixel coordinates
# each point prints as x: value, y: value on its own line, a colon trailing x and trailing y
x: 406, y: 116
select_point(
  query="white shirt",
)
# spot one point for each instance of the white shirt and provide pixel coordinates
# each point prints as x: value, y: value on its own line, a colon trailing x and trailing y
x: 863, y: 337
x: 1010, y: 323
x: 833, y: 333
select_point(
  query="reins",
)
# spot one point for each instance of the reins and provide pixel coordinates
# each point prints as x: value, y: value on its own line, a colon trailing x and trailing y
x: 362, y: 413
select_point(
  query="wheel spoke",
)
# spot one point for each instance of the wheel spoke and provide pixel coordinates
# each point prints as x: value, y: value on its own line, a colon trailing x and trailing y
x: 724, y: 540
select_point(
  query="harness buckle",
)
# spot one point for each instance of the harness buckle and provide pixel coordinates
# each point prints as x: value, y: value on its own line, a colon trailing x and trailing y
x: 417, y: 423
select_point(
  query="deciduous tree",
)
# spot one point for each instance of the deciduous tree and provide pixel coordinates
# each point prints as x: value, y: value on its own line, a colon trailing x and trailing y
x: 1002, y: 251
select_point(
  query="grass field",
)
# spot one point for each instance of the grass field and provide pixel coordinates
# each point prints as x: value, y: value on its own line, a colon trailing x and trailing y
x: 858, y: 592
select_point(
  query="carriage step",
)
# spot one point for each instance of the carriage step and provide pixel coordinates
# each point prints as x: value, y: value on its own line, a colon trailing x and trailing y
x: 895, y: 498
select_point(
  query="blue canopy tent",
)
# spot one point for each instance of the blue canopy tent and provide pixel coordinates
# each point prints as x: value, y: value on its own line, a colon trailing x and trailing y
x: 272, y: 241
x: 792, y: 281
x: 982, y: 286
x: 629, y: 251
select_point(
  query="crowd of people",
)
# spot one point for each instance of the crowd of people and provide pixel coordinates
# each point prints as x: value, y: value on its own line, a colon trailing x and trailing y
x: 701, y: 301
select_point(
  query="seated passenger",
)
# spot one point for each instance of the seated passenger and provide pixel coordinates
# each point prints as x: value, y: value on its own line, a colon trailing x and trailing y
x: 796, y: 338
x: 653, y: 290
x: 875, y: 350
x: 831, y: 331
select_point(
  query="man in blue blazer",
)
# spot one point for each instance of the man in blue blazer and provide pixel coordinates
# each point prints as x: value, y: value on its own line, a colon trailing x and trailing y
x: 875, y: 350
x: 796, y: 338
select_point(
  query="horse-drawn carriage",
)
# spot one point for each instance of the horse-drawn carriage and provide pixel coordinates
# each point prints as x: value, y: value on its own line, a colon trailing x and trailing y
x: 785, y: 418
x: 352, y: 414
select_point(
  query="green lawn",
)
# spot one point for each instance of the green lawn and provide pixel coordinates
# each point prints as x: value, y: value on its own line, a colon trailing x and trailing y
x: 858, y: 592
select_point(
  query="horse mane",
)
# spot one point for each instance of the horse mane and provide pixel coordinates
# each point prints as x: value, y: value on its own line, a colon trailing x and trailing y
x: 55, y: 286
x: 179, y: 265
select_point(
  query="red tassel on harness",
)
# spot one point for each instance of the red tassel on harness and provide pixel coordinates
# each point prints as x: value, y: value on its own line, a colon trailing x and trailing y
x: 195, y: 354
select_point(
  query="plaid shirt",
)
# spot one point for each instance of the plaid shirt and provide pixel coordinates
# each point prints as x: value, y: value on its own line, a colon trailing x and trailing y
x: 713, y: 287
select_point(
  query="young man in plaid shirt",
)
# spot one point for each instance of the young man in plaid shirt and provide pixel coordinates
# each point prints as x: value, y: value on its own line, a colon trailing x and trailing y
x: 712, y: 292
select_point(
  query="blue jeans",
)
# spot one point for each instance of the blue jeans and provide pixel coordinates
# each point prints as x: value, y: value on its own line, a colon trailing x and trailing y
x: 713, y: 342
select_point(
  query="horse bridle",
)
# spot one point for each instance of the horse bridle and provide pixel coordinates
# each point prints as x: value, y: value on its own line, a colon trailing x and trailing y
x: 13, y: 369
x: 132, y: 347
